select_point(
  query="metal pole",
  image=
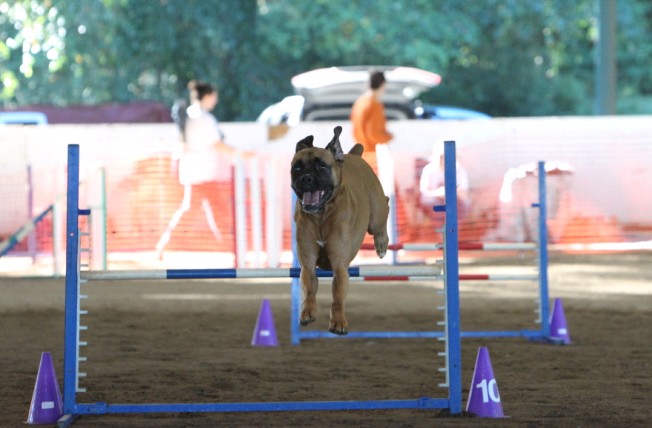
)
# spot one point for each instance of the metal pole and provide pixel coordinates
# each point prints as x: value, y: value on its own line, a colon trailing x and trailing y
x: 240, y: 214
x: 104, y: 219
x: 31, y: 239
x: 605, y: 65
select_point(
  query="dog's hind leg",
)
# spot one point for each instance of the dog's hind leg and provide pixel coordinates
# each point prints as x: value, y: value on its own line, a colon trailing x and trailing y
x: 378, y: 228
x: 381, y: 242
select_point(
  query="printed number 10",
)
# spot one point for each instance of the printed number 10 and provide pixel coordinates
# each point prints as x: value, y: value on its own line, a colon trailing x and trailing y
x: 489, y: 390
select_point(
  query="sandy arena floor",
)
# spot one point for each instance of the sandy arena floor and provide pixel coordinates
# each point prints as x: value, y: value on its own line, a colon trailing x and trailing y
x: 189, y: 341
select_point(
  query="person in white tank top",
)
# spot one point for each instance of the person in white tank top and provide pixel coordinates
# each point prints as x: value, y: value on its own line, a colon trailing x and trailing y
x: 205, y: 159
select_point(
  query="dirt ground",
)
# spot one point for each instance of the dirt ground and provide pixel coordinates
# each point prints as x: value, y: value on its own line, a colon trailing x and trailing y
x: 189, y: 341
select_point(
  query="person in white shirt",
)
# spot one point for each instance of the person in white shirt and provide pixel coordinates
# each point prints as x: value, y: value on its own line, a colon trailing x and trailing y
x: 431, y: 183
x: 519, y: 220
x: 203, y: 162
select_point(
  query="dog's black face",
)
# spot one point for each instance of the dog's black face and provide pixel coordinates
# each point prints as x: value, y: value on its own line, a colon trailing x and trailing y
x: 315, y: 172
x: 312, y: 181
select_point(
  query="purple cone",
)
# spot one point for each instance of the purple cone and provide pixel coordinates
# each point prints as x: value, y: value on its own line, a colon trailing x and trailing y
x: 265, y: 332
x: 47, y: 406
x: 558, y: 327
x: 484, y: 398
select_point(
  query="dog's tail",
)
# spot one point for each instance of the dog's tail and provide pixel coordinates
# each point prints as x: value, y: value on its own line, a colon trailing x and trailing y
x: 357, y: 150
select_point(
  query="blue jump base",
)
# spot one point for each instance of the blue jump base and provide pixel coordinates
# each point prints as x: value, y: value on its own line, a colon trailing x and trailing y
x: 281, y: 406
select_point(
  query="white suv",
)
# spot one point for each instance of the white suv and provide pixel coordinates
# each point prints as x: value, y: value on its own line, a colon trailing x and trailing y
x: 329, y: 93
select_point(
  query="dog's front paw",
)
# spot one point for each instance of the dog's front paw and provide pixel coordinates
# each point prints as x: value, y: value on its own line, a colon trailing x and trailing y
x: 340, y: 327
x: 307, y: 317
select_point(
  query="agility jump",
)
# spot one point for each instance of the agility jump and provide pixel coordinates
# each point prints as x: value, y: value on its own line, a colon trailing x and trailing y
x: 73, y: 312
x: 542, y: 333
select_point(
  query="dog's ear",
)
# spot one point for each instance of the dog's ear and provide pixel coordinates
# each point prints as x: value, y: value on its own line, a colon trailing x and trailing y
x: 357, y: 150
x: 334, y: 146
x: 306, y: 143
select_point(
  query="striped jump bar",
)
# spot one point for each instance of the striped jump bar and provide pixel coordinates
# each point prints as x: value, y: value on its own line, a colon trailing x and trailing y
x: 498, y: 277
x: 469, y: 246
x: 462, y: 277
x: 396, y: 278
x: 385, y: 271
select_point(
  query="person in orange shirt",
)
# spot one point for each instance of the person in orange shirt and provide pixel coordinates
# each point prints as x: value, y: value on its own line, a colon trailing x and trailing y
x: 368, y: 118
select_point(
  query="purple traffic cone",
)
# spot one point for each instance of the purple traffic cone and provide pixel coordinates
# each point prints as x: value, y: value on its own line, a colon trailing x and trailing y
x: 47, y: 406
x: 484, y: 398
x: 265, y: 332
x: 558, y: 327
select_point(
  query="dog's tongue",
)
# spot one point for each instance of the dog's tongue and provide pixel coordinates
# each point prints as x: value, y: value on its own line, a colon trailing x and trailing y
x: 311, y: 198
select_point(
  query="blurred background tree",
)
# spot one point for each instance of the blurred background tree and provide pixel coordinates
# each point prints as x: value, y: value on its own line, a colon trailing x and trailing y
x: 503, y: 57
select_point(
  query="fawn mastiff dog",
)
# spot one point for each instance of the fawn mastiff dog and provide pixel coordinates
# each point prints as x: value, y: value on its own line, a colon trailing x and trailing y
x: 339, y: 200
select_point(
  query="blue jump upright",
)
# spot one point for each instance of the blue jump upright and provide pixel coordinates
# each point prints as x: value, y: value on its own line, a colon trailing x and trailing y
x: 75, y: 276
x: 544, y: 306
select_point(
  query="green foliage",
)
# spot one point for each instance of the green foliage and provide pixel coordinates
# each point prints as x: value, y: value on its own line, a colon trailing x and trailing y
x: 504, y: 57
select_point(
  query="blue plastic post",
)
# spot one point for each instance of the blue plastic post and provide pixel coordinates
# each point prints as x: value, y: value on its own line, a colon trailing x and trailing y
x: 72, y: 280
x: 295, y: 292
x: 543, y: 252
x: 451, y: 260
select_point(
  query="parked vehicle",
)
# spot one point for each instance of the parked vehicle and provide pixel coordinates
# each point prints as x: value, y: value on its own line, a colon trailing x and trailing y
x: 437, y: 112
x: 23, y: 118
x: 329, y: 94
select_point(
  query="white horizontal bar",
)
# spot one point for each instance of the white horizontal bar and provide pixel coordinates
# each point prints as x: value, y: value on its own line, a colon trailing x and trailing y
x: 123, y: 274
x: 387, y: 270
x: 509, y: 246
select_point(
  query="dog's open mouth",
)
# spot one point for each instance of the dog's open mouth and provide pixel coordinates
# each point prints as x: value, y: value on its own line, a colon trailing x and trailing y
x: 313, y: 201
